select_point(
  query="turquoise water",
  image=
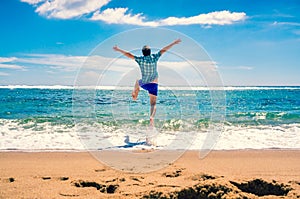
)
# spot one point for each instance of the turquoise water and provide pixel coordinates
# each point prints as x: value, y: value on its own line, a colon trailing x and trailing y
x: 248, y: 107
x: 38, y: 113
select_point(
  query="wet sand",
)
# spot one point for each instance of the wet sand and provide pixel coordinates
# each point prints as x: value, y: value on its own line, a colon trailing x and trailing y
x: 221, y: 174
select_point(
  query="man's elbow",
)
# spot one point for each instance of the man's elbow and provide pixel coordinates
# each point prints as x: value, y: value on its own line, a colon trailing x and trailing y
x: 162, y: 51
x: 129, y: 55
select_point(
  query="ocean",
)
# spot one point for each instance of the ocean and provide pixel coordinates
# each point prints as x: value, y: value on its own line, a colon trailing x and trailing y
x: 63, y: 118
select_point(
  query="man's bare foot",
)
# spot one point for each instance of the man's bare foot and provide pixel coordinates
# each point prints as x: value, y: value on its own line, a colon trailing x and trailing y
x: 134, y: 95
x: 148, y: 141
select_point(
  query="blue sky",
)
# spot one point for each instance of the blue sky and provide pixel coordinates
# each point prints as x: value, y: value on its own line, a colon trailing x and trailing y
x: 251, y: 42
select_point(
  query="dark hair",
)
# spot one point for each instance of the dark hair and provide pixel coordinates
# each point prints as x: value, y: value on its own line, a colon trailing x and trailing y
x: 146, y: 51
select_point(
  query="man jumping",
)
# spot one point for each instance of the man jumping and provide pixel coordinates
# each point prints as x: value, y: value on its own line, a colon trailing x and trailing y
x: 148, y: 67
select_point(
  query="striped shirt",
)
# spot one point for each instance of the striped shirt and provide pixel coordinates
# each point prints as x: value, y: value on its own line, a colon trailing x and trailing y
x: 148, y: 66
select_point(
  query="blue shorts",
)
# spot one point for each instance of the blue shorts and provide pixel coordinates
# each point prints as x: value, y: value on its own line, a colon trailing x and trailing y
x: 152, y: 88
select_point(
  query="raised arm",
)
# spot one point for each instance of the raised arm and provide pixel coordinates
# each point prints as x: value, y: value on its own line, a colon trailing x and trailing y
x: 127, y: 54
x: 166, y: 48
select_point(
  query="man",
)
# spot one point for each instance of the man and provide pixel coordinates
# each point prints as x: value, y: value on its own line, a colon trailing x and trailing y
x: 148, y: 67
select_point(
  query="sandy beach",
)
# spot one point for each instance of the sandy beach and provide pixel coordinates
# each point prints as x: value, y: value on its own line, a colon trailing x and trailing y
x: 221, y: 174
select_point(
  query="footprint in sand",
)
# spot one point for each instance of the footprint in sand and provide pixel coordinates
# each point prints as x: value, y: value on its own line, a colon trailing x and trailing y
x: 109, y: 189
x: 174, y: 174
x: 10, y: 180
x: 100, y: 170
x: 63, y: 178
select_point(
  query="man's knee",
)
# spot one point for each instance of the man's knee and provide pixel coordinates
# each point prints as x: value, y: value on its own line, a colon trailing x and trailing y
x: 152, y: 101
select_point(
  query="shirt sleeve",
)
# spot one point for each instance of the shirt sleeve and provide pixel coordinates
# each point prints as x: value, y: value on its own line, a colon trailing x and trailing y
x: 137, y: 59
x: 157, y: 55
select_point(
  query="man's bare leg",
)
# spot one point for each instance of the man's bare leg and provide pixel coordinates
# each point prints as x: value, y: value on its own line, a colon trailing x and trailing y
x: 152, y: 115
x: 152, y: 109
x: 136, y: 90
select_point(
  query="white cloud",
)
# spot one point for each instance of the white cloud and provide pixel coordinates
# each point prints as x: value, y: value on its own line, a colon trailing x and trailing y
x: 50, y: 72
x: 32, y: 2
x: 286, y: 23
x: 58, y: 62
x: 91, y: 75
x: 4, y: 74
x: 245, y: 67
x: 111, y: 70
x: 212, y: 18
x: 54, y: 61
x: 120, y: 16
x: 11, y: 66
x: 237, y: 68
x: 10, y: 63
x: 7, y: 59
x: 297, y: 32
x: 67, y: 9
x: 182, y: 65
x: 71, y: 63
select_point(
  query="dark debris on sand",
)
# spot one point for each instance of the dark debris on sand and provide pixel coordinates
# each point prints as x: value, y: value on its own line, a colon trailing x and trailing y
x: 110, y: 189
x: 64, y: 178
x: 260, y: 187
x: 174, y: 174
x: 213, y: 191
x: 199, y: 177
x: 46, y: 178
x: 207, y: 187
x: 11, y: 179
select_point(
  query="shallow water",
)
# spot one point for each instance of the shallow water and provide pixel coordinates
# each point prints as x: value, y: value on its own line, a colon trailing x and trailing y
x: 75, y: 119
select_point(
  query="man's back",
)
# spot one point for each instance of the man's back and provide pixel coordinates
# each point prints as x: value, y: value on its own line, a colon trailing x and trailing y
x: 148, y: 66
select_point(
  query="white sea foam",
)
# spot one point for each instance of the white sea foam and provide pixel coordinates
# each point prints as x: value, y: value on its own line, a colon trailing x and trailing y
x: 162, y: 87
x: 260, y: 137
x: 32, y: 137
x: 36, y: 87
x: 46, y: 136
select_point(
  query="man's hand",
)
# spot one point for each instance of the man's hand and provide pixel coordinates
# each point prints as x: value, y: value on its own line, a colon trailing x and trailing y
x: 116, y: 48
x: 166, y: 48
x: 177, y: 41
x: 127, y: 54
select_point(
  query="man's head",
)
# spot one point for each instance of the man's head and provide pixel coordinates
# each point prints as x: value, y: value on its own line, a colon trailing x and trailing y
x: 146, y: 50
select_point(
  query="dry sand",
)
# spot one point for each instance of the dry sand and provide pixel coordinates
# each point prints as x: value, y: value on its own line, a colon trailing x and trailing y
x: 221, y: 174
